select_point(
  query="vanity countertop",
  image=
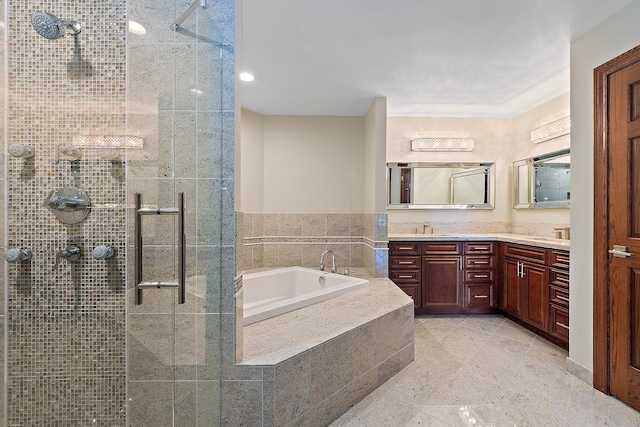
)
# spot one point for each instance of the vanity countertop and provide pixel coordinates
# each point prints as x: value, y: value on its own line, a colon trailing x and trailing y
x: 539, y: 241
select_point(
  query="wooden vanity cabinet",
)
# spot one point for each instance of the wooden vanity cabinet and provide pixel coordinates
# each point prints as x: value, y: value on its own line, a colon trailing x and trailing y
x: 441, y: 276
x: 525, y: 284
x: 446, y: 277
x: 405, y: 268
x: 559, y: 296
x: 479, y: 275
x: 535, y: 289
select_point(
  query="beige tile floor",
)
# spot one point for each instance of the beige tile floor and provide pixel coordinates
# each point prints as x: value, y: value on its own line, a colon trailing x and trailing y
x: 485, y: 371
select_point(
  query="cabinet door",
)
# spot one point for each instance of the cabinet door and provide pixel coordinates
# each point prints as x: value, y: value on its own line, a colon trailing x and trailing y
x: 536, y: 298
x: 511, y: 288
x: 441, y: 282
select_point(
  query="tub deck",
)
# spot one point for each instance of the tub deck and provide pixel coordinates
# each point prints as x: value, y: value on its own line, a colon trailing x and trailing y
x: 274, y: 340
x: 322, y: 359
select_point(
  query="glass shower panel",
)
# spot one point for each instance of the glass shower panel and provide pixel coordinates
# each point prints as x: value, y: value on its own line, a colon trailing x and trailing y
x: 79, y: 351
x: 175, y: 104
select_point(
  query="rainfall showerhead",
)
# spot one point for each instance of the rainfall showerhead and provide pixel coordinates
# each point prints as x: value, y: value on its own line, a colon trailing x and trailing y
x: 50, y: 27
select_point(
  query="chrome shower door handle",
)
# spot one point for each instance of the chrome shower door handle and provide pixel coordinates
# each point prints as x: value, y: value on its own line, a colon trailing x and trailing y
x: 182, y: 249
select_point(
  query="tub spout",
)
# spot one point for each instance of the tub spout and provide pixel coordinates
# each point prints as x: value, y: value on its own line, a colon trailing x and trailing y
x: 333, y: 261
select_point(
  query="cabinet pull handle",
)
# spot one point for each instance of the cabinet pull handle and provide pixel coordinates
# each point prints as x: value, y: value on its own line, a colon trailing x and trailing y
x: 405, y: 277
x: 562, y: 298
x: 405, y: 249
x: 481, y: 262
x: 481, y: 296
x: 480, y: 276
x: 460, y: 264
x: 562, y: 325
x: 405, y: 262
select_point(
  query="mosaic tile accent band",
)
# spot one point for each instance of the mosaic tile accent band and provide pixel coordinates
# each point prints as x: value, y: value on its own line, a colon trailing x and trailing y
x: 66, y: 325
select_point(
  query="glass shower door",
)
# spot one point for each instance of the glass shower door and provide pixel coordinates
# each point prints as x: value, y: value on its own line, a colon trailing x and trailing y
x: 175, y: 104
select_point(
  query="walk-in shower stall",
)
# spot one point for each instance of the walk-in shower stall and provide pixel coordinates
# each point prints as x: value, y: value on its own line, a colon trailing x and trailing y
x: 112, y: 112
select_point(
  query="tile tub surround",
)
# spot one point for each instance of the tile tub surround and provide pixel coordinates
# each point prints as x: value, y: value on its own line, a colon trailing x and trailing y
x: 492, y: 369
x: 291, y: 239
x: 338, y: 352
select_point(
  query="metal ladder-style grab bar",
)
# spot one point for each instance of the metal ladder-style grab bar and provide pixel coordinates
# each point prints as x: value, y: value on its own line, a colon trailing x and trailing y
x: 180, y: 284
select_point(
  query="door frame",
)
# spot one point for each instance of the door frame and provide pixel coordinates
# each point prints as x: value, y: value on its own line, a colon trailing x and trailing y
x: 601, y: 344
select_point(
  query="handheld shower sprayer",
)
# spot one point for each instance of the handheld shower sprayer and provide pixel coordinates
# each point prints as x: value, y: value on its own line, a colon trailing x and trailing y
x: 50, y: 27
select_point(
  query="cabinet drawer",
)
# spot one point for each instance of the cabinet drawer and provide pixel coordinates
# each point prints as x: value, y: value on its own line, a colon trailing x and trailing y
x: 405, y: 276
x: 478, y: 276
x: 559, y: 278
x: 559, y: 296
x: 559, y: 322
x: 414, y: 292
x: 560, y: 259
x: 404, y: 262
x: 478, y: 296
x: 441, y: 248
x: 479, y: 262
x: 529, y: 253
x: 404, y: 248
x: 479, y: 248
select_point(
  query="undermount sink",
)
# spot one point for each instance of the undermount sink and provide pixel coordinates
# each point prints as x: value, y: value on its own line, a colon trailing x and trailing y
x: 547, y: 239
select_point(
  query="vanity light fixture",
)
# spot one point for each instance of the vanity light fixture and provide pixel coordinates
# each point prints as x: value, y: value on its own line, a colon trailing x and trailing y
x: 551, y: 130
x: 442, y: 144
x: 107, y: 141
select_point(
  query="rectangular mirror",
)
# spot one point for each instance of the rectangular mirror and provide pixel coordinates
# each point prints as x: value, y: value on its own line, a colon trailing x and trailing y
x: 441, y: 185
x: 543, y: 181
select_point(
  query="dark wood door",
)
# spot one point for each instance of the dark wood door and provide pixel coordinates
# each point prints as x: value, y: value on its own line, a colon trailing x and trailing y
x: 624, y: 230
x: 536, y: 296
x: 441, y: 282
x: 510, y: 297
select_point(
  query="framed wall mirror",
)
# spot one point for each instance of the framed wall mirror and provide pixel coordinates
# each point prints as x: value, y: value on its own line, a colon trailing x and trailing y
x: 441, y: 185
x: 543, y: 182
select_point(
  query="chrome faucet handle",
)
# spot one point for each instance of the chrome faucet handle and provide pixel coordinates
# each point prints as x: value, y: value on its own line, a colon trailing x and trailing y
x: 103, y: 252
x: 71, y: 253
x: 16, y: 255
x: 20, y: 151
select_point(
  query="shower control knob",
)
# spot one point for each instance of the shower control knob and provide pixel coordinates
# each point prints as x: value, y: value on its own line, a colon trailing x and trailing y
x: 103, y: 252
x: 16, y: 255
x: 71, y: 253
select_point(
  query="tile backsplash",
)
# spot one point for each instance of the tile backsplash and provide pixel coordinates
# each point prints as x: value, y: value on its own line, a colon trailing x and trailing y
x: 267, y: 240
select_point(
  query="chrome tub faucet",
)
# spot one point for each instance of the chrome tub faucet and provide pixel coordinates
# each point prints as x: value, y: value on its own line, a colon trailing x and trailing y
x: 333, y: 261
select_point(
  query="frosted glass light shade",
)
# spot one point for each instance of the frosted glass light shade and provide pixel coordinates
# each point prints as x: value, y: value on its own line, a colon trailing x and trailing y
x: 107, y: 141
x: 551, y: 130
x: 442, y: 144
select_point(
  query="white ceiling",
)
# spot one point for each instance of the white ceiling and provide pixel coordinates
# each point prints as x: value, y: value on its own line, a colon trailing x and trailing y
x: 456, y: 58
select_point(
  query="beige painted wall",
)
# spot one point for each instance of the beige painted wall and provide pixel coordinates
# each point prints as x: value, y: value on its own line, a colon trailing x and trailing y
x: 375, y: 184
x: 522, y: 148
x: 251, y: 170
x: 309, y: 164
x: 492, y: 139
x: 502, y: 141
x: 603, y: 43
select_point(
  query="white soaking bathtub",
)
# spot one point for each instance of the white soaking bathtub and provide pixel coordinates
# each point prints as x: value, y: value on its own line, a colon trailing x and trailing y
x: 273, y: 292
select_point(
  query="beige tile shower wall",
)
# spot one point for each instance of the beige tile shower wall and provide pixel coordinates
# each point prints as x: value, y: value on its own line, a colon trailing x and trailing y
x: 285, y: 240
x: 66, y: 328
x: 3, y: 183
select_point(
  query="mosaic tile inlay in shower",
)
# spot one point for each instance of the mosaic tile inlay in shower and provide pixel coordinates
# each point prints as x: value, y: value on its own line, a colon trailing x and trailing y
x: 66, y: 326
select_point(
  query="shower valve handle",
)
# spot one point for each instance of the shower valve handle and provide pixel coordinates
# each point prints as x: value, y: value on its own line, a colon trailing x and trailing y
x: 71, y: 253
x: 103, y: 252
x: 17, y: 255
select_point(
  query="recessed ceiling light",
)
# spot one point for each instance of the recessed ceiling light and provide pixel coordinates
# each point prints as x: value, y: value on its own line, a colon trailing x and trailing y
x: 136, y: 28
x: 246, y: 77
